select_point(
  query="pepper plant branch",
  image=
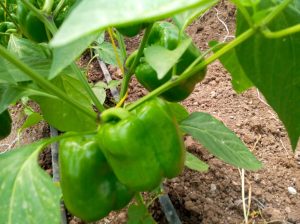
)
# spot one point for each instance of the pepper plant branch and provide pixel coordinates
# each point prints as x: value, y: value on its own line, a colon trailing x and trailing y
x: 45, y: 84
x: 121, y: 44
x: 42, y: 16
x: 128, y: 74
x: 47, y: 7
x: 274, y: 13
x: 87, y: 87
x: 281, y: 33
x: 49, y: 23
x: 8, y: 14
x: 190, y: 72
x: 111, y: 37
x: 58, y: 8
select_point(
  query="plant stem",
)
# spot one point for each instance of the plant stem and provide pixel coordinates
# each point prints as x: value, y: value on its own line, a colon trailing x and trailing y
x: 8, y: 14
x: 49, y: 23
x: 196, y: 69
x: 58, y: 8
x: 274, y: 13
x: 87, y: 87
x: 139, y: 198
x: 127, y: 75
x: 121, y: 44
x: 47, y: 7
x: 111, y: 37
x: 45, y: 84
x: 281, y: 33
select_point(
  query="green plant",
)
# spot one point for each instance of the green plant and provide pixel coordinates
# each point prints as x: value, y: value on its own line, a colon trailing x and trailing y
x: 47, y: 74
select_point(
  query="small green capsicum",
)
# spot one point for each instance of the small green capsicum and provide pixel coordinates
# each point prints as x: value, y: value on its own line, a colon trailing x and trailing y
x: 89, y: 186
x: 5, y: 124
x: 142, y: 146
x: 31, y: 26
x: 166, y: 35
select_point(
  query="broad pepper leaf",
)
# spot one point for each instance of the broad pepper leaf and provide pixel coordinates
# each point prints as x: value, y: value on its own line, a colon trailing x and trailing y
x: 182, y: 20
x: 60, y: 114
x: 230, y: 61
x: 32, y: 119
x: 104, y: 14
x: 193, y: 163
x: 107, y: 54
x: 138, y: 214
x: 27, y: 193
x: 34, y: 55
x: 178, y: 111
x: 162, y: 59
x: 219, y: 140
x: 273, y: 66
x: 63, y: 56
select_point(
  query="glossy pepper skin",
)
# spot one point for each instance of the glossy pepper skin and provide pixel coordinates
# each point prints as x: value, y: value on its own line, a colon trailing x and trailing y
x: 31, y: 26
x: 142, y: 146
x: 5, y: 124
x: 90, y: 188
x: 167, y: 35
x: 131, y: 30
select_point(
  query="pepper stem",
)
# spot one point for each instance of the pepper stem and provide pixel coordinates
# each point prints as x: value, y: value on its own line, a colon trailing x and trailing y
x: 114, y: 114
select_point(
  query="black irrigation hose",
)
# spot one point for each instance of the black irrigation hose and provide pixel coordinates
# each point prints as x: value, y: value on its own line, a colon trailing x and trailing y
x: 168, y: 209
x: 55, y: 171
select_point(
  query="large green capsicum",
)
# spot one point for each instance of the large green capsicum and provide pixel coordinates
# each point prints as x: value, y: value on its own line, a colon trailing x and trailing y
x: 167, y: 35
x: 90, y: 188
x: 31, y: 26
x: 5, y: 124
x: 142, y: 146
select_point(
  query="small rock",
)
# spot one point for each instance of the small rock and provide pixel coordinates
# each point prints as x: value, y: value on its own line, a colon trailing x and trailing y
x: 294, y: 217
x: 122, y: 216
x: 292, y: 190
x: 213, y: 187
x: 189, y: 205
x: 213, y: 94
x: 193, y: 196
x: 273, y: 213
x: 287, y: 210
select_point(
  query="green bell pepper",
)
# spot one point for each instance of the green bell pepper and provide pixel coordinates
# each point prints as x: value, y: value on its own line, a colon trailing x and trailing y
x: 131, y: 30
x: 31, y: 26
x: 5, y: 124
x: 90, y: 188
x: 142, y: 146
x: 167, y: 35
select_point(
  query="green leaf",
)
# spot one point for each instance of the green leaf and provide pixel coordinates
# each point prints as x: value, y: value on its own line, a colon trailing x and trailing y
x: 162, y: 59
x: 113, y: 84
x: 32, y: 119
x: 182, y: 20
x: 60, y: 114
x: 107, y: 54
x: 219, y: 140
x: 178, y: 111
x: 34, y: 55
x: 273, y: 66
x: 63, y: 56
x: 230, y: 61
x: 27, y: 194
x: 9, y: 93
x: 100, y: 93
x: 194, y: 163
x: 95, y: 15
x: 138, y: 214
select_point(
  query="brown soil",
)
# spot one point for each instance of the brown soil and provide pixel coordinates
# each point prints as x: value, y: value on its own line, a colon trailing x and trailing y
x: 215, y: 196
